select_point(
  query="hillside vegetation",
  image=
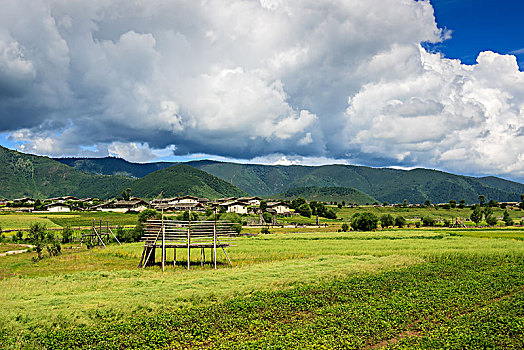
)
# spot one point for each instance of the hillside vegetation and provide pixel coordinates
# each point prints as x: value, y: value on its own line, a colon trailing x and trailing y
x: 383, y: 184
x: 328, y: 194
x: 113, y: 166
x: 41, y: 177
x: 181, y: 180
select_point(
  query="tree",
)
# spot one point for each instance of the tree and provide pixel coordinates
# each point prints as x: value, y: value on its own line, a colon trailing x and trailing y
x: 521, y: 201
x: 268, y: 218
x: 492, y: 203
x: 304, y: 210
x: 345, y: 227
x: 67, y: 234
x: 488, y: 212
x: 387, y: 220
x: 428, y: 221
x: 297, y: 202
x: 462, y: 203
x: 482, y: 200
x: 400, y: 221
x: 126, y: 194
x: 263, y: 206
x: 476, y: 215
x: 40, y: 240
x: 507, y: 219
x: 364, y: 221
x: 452, y: 203
x: 427, y: 203
x: 148, y: 214
x: 491, y: 220
x: 405, y: 203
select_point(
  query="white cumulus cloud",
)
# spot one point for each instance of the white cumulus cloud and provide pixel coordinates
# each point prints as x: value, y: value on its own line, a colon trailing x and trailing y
x: 341, y: 80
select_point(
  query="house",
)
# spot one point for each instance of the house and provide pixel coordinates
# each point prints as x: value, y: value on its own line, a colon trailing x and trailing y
x: 63, y: 199
x: 278, y: 207
x: 251, y: 201
x: 227, y: 199
x: 24, y: 200
x: 57, y: 207
x: 186, y: 206
x: 187, y: 199
x: 235, y: 207
x: 123, y: 206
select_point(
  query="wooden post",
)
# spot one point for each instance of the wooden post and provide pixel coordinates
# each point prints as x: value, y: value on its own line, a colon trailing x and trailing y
x: 215, y: 239
x: 163, y: 242
x: 189, y: 240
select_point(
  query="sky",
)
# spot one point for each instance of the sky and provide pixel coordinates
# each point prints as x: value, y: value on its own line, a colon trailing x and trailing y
x: 384, y: 83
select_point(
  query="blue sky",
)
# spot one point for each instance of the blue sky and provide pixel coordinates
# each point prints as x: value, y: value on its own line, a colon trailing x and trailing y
x: 480, y: 25
x: 269, y: 81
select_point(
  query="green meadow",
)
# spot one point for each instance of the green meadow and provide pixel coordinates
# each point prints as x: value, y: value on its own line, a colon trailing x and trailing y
x: 410, y: 288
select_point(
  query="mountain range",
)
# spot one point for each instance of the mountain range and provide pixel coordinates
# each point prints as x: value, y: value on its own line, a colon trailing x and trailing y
x: 383, y: 184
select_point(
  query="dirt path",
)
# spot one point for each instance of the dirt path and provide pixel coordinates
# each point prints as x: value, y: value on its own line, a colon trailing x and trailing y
x: 17, y: 251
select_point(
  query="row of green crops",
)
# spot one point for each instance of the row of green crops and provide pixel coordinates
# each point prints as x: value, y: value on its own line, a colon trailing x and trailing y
x: 454, y: 302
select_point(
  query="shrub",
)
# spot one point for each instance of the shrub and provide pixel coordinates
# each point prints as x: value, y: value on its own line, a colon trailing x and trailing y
x: 148, y: 214
x: 476, y: 215
x: 237, y: 227
x: 417, y: 224
x: 40, y: 240
x: 304, y: 210
x: 387, y: 220
x: 231, y: 217
x: 330, y: 214
x: 507, y: 219
x: 428, y: 221
x: 400, y: 221
x: 18, y: 237
x: 491, y: 220
x: 185, y: 216
x: 364, y: 221
x: 67, y: 234
x: 268, y: 218
x: 345, y: 227
x: 265, y: 230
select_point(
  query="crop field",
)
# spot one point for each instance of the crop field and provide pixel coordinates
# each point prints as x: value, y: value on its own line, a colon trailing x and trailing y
x: 415, y: 288
x: 22, y: 221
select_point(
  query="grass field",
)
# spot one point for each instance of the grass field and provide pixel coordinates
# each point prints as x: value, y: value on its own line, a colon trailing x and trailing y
x: 22, y: 221
x: 387, y: 289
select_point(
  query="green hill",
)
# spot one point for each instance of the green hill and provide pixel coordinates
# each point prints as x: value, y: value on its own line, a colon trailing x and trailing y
x: 182, y: 179
x: 329, y: 194
x: 41, y: 177
x: 384, y: 184
x: 113, y: 166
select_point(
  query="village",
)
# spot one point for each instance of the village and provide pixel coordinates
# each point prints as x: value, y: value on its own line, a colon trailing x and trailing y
x: 243, y: 205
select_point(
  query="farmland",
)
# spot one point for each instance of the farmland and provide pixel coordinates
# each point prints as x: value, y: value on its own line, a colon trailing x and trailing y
x: 391, y: 288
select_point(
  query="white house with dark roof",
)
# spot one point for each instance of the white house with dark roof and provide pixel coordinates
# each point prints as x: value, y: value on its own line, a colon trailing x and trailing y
x: 57, y: 207
x: 278, y: 207
x: 123, y: 206
x: 251, y: 201
x: 235, y: 207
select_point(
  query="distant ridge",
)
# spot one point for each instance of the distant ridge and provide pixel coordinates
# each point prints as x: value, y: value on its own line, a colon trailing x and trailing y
x: 182, y: 179
x: 113, y: 166
x: 328, y: 194
x: 383, y: 184
x: 41, y: 177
